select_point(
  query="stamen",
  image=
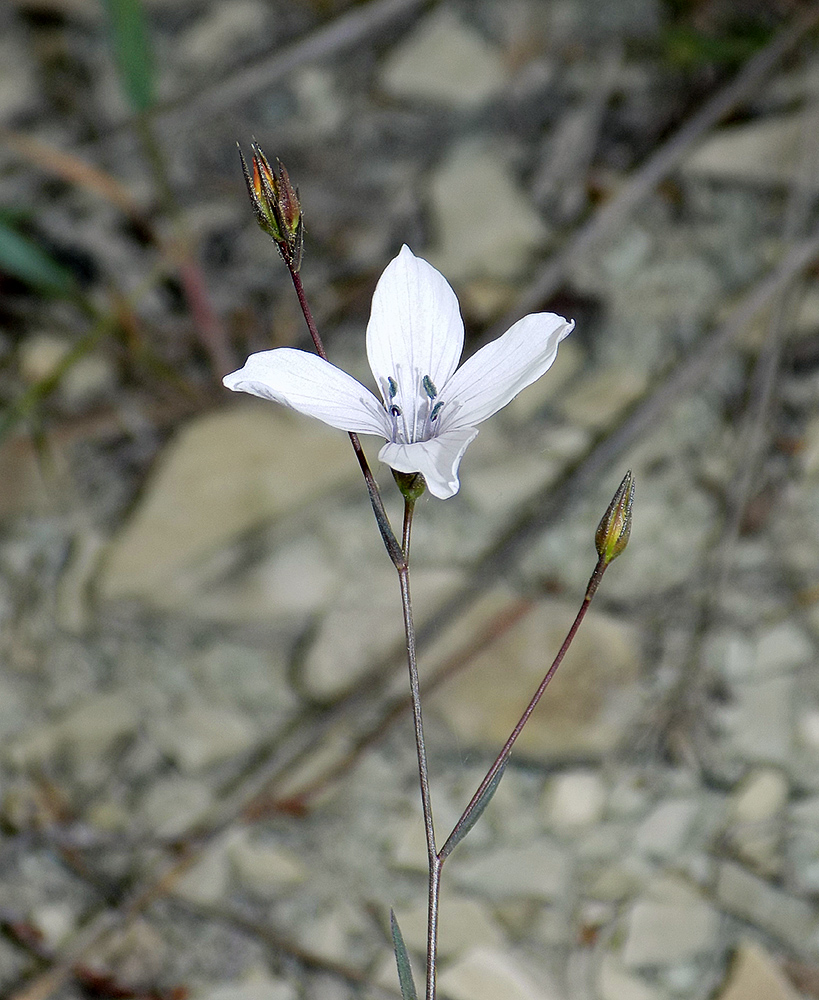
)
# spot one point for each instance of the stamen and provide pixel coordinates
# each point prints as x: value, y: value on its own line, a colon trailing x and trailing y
x: 436, y: 410
x: 393, y: 386
x: 395, y: 411
x: 429, y: 387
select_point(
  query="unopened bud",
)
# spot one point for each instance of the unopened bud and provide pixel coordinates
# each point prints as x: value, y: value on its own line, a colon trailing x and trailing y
x: 276, y: 204
x: 614, y: 530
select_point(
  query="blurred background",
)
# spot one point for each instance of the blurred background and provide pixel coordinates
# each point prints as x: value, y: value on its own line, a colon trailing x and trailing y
x: 207, y: 776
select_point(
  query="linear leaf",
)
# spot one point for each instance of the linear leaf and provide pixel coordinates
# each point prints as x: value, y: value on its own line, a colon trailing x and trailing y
x: 132, y: 50
x: 25, y: 260
x: 402, y: 961
x: 466, y: 823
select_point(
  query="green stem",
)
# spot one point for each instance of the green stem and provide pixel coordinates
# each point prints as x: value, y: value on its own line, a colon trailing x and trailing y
x: 420, y: 746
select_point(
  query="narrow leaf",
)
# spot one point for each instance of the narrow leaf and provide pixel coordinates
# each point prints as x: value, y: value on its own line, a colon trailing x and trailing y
x: 402, y: 961
x: 22, y: 258
x: 470, y: 818
x: 132, y: 50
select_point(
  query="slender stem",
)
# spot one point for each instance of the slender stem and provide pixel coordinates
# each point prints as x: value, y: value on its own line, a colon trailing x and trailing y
x: 420, y: 745
x: 393, y: 548
x: 503, y: 756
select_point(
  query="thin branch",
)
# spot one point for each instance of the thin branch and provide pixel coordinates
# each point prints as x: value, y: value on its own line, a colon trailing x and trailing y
x: 503, y: 756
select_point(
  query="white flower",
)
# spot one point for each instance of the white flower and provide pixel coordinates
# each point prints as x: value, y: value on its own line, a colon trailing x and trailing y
x: 428, y: 411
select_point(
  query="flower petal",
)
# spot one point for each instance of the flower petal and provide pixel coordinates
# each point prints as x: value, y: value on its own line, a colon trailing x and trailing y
x: 436, y: 459
x: 497, y: 372
x: 415, y: 328
x: 311, y: 385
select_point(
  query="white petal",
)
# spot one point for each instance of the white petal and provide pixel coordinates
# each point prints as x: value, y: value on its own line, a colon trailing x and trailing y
x: 437, y: 459
x: 311, y: 385
x: 415, y: 328
x: 497, y: 372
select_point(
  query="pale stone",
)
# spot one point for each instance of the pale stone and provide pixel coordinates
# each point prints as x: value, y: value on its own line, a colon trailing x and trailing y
x: 666, y: 933
x: 756, y: 816
x: 19, y: 84
x: 409, y: 846
x: 538, y: 870
x: 173, y: 805
x: 755, y: 975
x: 587, y: 708
x: 765, y: 151
x: 12, y: 710
x: 783, y: 647
x: 259, y: 985
x: 751, y: 898
x: 55, y: 922
x: 221, y: 30
x: 732, y: 654
x: 616, y: 983
x: 464, y: 923
x: 575, y: 799
x: 447, y: 61
x: 265, y: 869
x: 87, y: 732
x: 41, y: 355
x: 207, y: 880
x: 91, y: 729
x: 330, y: 934
x: 664, y: 832
x: 296, y: 581
x: 321, y: 110
x: 809, y: 456
x: 222, y: 475
x: 494, y: 488
x: 364, y: 623
x: 559, y: 442
x: 467, y: 215
x: 760, y: 720
x: 491, y: 974
x: 202, y: 736
x: 87, y: 379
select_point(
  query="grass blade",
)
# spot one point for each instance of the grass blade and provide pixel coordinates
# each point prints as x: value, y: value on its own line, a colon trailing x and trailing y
x: 22, y: 258
x: 132, y: 50
x: 402, y: 961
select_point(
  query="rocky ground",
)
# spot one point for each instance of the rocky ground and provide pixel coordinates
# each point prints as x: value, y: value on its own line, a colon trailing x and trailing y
x: 207, y: 778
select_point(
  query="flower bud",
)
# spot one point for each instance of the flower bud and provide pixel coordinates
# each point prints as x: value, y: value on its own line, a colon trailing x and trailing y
x: 276, y: 204
x: 614, y: 530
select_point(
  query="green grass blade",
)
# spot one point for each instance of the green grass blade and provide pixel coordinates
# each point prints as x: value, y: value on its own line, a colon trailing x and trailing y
x: 132, y: 50
x: 22, y: 258
x: 402, y: 961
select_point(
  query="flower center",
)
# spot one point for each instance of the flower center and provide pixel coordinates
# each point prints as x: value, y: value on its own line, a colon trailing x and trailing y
x: 413, y: 419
